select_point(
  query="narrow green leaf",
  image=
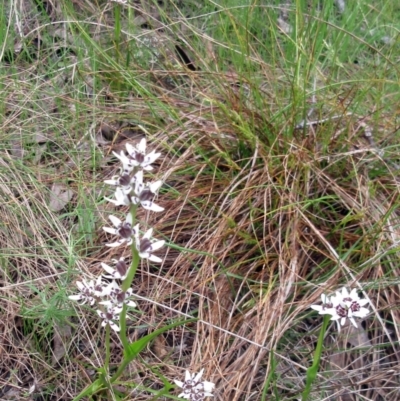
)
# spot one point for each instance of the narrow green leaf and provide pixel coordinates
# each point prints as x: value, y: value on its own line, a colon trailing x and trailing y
x: 96, y: 386
x: 136, y: 347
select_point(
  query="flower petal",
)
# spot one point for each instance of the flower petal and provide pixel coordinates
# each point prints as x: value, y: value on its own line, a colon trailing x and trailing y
x: 114, y: 326
x: 141, y: 146
x: 75, y: 297
x: 107, y: 268
x: 155, y: 186
x: 178, y: 383
x: 198, y: 376
x: 157, y: 245
x: 148, y: 234
x: 154, y: 258
x: 149, y: 205
x: 115, y: 220
x: 117, y: 243
x: 110, y: 230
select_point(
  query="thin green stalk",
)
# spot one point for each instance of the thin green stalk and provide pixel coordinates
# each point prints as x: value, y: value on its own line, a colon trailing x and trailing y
x: 117, y: 39
x: 126, y: 361
x: 122, y: 325
x: 313, y: 369
x: 117, y: 30
x: 271, y: 376
x: 126, y: 284
x: 103, y: 371
x: 108, y: 351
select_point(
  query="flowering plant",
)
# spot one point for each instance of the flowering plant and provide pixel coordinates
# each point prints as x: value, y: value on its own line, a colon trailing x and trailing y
x: 340, y: 306
x: 193, y: 389
x: 343, y: 305
x: 111, y: 293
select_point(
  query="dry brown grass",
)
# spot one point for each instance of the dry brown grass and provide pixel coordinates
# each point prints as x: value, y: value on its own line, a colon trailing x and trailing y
x: 259, y: 226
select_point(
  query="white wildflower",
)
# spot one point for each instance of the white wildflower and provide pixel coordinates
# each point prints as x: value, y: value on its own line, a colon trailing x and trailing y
x: 120, y: 272
x: 193, y: 389
x: 144, y: 194
x: 138, y: 157
x: 119, y: 297
x: 121, y: 198
x: 146, y: 247
x: 124, y: 181
x: 90, y: 291
x: 326, y: 307
x: 127, y: 166
x: 123, y: 229
x: 108, y: 317
x: 348, y: 305
x: 342, y: 306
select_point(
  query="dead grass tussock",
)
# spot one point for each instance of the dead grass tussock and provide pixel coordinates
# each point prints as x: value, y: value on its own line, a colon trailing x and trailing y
x: 269, y: 236
x: 262, y: 235
x: 273, y: 262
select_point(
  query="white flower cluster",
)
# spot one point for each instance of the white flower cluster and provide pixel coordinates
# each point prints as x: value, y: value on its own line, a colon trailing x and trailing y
x: 108, y: 296
x: 193, y: 389
x: 343, y: 305
x: 130, y: 190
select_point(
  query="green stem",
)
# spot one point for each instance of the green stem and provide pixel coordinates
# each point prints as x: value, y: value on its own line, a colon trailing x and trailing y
x: 313, y: 369
x: 117, y: 40
x: 108, y: 352
x: 122, y: 325
x: 117, y: 29
x: 126, y: 284
x: 126, y: 361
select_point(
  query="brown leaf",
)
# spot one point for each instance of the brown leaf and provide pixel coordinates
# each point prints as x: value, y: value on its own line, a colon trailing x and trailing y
x: 59, y: 197
x: 61, y: 333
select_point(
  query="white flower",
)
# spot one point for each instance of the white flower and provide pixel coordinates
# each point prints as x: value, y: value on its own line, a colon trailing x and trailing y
x: 121, y: 198
x: 193, y: 389
x: 122, y: 2
x: 90, y: 291
x: 123, y: 229
x: 86, y: 293
x: 343, y: 305
x: 348, y: 305
x: 326, y: 307
x: 111, y: 314
x: 138, y: 157
x: 144, y: 194
x: 124, y: 184
x: 127, y: 166
x: 119, y: 297
x: 146, y: 247
x: 120, y: 272
x: 99, y: 287
x: 123, y: 181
